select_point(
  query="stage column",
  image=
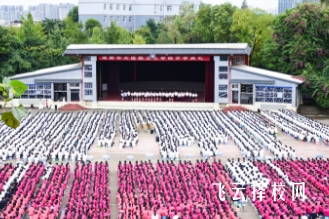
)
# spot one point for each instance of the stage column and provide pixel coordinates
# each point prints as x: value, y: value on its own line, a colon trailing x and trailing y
x: 222, y: 81
x: 135, y: 70
x: 90, y: 93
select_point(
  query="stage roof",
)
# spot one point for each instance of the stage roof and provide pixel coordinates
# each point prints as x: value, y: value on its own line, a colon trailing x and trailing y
x: 267, y: 73
x: 163, y: 49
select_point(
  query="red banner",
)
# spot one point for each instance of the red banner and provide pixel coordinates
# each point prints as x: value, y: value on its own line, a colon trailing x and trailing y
x: 158, y: 58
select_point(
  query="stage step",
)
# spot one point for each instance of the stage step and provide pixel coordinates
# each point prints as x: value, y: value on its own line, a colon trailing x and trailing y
x: 153, y: 105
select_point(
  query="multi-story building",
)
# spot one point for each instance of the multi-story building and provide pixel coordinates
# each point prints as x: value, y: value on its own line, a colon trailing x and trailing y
x: 288, y: 4
x: 11, y: 12
x: 64, y: 9
x: 51, y: 11
x: 131, y: 14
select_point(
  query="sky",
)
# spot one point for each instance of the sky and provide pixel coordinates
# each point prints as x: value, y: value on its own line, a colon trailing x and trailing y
x: 256, y: 3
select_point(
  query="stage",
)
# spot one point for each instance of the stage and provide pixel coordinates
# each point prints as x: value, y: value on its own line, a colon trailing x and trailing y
x: 156, y: 86
x: 127, y: 105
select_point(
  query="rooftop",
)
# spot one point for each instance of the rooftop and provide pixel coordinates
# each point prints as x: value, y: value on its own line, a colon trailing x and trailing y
x: 56, y: 69
x: 267, y: 73
x: 172, y: 49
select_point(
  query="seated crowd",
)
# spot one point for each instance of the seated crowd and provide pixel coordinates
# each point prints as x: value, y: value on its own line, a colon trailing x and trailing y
x: 171, y: 131
x: 108, y: 130
x: 185, y: 191
x: 127, y: 129
x: 155, y: 96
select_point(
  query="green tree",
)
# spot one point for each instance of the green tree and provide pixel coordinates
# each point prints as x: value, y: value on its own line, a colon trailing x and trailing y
x: 97, y: 37
x: 253, y: 27
x: 113, y: 33
x: 203, y: 20
x: 125, y: 37
x: 154, y: 27
x: 145, y: 32
x: 138, y: 39
x: 91, y: 23
x: 50, y: 24
x: 74, y: 14
x: 30, y: 29
x: 221, y: 22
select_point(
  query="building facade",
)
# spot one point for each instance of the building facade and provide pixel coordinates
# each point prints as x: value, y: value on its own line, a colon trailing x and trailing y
x: 131, y: 14
x: 230, y: 80
x: 288, y: 4
x: 64, y: 9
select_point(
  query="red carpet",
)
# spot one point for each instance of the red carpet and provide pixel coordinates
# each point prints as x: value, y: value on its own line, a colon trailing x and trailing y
x: 235, y: 108
x: 72, y: 107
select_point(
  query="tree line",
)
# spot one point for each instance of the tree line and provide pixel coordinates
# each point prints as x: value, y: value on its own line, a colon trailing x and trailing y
x: 294, y: 42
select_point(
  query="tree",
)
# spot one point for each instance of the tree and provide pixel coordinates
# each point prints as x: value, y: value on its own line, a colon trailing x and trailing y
x: 244, y: 4
x: 97, y: 37
x: 253, y: 27
x: 112, y: 34
x: 49, y: 24
x: 30, y: 29
x: 74, y: 14
x: 125, y: 37
x: 91, y: 23
x: 221, y: 22
x: 138, y: 39
x: 145, y: 32
x: 203, y: 20
x: 154, y: 28
x: 16, y: 88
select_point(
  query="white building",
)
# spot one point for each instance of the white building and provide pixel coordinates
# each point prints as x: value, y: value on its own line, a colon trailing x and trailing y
x: 51, y: 11
x: 64, y: 9
x: 131, y: 14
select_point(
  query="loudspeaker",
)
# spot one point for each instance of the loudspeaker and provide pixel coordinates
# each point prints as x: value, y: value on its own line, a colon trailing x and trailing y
x: 152, y: 131
x: 32, y: 106
x: 0, y: 106
x: 157, y: 139
x: 258, y: 110
x: 202, y: 100
x: 55, y: 107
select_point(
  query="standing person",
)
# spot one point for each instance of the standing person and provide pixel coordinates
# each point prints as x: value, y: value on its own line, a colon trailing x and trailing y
x: 155, y: 215
x: 46, y: 104
x: 122, y: 95
x: 244, y: 203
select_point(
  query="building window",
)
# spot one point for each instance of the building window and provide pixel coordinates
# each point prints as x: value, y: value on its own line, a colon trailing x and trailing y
x: 118, y: 7
x: 130, y: 7
x: 222, y: 94
x: 161, y: 19
x: 222, y: 76
x: 111, y: 7
x: 124, y: 19
x: 111, y: 19
x: 223, y: 58
x: 222, y: 87
x: 88, y: 92
x: 155, y: 8
x: 130, y: 19
x: 131, y: 30
x: 104, y: 6
x: 155, y: 19
x: 118, y: 19
x: 105, y: 19
x: 124, y: 7
x: 169, y: 8
x: 88, y: 67
x: 235, y: 85
x: 180, y: 8
x: 88, y: 85
x: 238, y: 61
x: 87, y: 58
x: 88, y: 74
x: 74, y: 85
x: 160, y: 7
x: 222, y: 69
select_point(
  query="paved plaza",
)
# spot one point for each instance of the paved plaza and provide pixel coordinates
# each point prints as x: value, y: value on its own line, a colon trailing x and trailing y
x: 148, y: 145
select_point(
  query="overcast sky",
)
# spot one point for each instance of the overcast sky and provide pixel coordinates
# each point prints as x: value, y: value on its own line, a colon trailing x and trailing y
x: 256, y: 3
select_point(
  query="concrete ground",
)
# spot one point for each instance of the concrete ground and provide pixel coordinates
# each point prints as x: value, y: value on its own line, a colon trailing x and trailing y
x: 147, y: 144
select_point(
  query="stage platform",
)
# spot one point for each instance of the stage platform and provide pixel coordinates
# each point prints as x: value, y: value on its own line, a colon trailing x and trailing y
x: 156, y: 86
x: 125, y: 105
